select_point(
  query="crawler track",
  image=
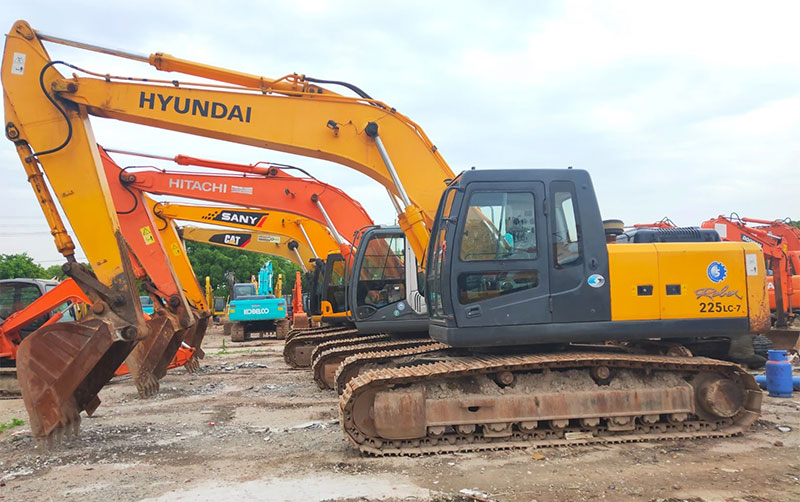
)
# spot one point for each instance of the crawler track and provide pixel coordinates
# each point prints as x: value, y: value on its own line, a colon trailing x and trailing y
x: 327, y: 356
x: 377, y: 354
x: 9, y: 386
x: 326, y: 359
x: 297, y: 350
x: 346, y: 342
x: 667, y: 398
x: 314, y: 331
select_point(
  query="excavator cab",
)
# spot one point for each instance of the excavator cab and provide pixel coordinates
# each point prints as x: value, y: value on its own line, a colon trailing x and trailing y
x: 514, y: 256
x: 332, y: 290
x: 377, y: 289
x: 17, y: 294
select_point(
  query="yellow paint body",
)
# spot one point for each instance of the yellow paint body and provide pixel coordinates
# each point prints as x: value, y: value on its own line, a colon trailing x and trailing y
x: 270, y: 247
x: 75, y: 172
x: 680, y: 281
x: 180, y: 261
x: 285, y: 226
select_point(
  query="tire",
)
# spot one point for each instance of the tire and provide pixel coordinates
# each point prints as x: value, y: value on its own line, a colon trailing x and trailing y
x: 762, y: 345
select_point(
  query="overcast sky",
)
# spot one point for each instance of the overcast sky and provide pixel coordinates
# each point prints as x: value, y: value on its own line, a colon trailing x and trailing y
x: 680, y: 109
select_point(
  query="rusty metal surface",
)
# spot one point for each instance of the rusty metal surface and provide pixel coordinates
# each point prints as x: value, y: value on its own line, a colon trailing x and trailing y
x: 314, y: 331
x: 282, y: 329
x: 61, y: 369
x: 784, y: 339
x: 347, y: 341
x: 297, y: 350
x: 357, y: 405
x: 146, y: 359
x: 380, y: 353
x: 194, y: 338
x: 327, y: 357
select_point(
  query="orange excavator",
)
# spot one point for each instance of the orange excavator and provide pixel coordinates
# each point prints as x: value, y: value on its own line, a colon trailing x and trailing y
x: 784, y: 229
x: 777, y: 241
x: 271, y: 188
x: 29, y: 304
x: 521, y: 290
x: 154, y: 268
x: 255, y: 186
x: 56, y: 302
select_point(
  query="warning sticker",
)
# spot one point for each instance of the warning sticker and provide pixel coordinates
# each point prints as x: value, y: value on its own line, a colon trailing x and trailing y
x: 147, y: 234
x: 244, y: 190
x: 751, y: 264
x: 18, y: 64
x: 269, y: 238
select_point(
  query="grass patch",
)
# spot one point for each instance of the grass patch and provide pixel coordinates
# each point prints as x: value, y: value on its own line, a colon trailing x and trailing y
x: 223, y: 350
x: 15, y: 422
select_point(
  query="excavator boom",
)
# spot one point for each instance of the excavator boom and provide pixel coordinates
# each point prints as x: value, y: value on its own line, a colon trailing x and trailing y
x: 283, y: 228
x: 63, y: 366
x: 257, y: 242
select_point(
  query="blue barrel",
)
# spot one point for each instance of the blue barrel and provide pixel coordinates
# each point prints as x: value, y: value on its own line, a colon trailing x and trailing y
x: 779, y: 374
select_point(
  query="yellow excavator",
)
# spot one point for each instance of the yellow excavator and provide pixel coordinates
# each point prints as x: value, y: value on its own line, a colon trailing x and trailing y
x: 287, y: 235
x: 281, y: 234
x: 549, y: 336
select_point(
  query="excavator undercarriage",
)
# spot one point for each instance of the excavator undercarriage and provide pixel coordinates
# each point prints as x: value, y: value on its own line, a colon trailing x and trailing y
x: 472, y: 403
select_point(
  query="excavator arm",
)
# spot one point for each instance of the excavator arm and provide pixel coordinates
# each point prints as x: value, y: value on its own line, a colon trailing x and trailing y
x: 273, y: 229
x: 257, y: 242
x: 288, y: 114
x: 272, y: 189
x: 62, y: 367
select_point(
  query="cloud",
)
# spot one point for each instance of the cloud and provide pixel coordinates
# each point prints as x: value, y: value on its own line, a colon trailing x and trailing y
x: 685, y: 109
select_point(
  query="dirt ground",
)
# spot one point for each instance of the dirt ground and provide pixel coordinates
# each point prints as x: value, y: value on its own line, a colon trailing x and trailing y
x: 248, y: 427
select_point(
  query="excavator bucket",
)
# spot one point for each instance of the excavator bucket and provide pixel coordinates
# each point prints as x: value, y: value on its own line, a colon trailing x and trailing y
x: 62, y: 367
x: 148, y: 361
x: 194, y: 338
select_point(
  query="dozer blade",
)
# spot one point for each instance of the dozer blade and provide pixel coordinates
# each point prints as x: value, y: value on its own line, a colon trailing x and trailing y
x: 194, y: 338
x: 148, y: 361
x: 61, y: 368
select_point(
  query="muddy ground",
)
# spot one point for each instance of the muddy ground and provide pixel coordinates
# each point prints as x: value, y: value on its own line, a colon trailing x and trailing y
x: 249, y: 428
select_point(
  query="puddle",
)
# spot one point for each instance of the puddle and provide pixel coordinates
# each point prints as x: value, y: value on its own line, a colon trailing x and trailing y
x: 314, y: 488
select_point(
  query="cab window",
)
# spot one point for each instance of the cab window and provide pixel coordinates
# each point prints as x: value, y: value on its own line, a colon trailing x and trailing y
x: 566, y: 227
x: 382, y: 280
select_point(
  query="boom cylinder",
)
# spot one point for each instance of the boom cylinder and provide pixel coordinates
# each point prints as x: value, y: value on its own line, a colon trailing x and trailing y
x: 308, y: 241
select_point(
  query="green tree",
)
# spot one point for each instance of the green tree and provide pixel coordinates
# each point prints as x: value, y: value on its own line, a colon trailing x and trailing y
x: 215, y: 261
x: 13, y: 266
x: 54, y: 271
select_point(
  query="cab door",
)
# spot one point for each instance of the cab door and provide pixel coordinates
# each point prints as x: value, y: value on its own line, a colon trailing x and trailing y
x: 500, y: 269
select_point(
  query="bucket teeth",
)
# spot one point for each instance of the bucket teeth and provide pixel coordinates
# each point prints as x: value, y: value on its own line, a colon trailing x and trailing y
x: 146, y: 361
x: 147, y: 385
x: 193, y: 364
x: 194, y: 338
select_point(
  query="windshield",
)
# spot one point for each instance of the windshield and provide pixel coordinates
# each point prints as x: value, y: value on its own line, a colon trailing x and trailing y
x: 382, y: 278
x: 240, y: 290
x: 16, y: 296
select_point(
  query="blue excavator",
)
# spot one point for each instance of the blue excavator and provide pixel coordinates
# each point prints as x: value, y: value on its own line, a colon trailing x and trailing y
x: 254, y: 308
